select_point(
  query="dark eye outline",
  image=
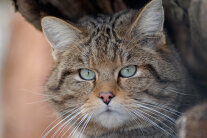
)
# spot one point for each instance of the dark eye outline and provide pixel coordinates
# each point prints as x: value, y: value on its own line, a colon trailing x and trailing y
x: 120, y: 75
x: 84, y: 78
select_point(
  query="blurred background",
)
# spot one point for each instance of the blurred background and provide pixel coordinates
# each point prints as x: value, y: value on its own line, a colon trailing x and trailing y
x: 25, y: 62
x: 6, y: 15
x: 25, y: 56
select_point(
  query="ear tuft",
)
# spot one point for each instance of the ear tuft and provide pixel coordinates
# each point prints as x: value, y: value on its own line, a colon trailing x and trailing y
x: 58, y: 32
x: 150, y: 20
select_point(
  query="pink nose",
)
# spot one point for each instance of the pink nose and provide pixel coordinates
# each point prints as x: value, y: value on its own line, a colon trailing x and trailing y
x: 106, y: 97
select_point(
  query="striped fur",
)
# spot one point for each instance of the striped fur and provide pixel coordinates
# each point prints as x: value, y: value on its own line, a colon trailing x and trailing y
x: 145, y: 105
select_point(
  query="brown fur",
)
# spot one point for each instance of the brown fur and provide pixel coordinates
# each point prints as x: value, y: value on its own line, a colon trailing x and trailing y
x: 105, y: 46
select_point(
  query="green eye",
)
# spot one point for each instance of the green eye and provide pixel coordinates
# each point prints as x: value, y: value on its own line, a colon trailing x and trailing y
x: 87, y: 74
x: 128, y: 71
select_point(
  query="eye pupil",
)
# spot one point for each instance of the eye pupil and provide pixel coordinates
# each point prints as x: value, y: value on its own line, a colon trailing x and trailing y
x: 86, y: 74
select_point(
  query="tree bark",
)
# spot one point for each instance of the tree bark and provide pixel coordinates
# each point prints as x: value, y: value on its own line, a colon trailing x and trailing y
x: 34, y: 10
x: 186, y: 20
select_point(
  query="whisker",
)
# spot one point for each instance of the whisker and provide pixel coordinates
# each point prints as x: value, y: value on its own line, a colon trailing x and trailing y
x: 59, y: 118
x: 174, y: 90
x: 137, y: 122
x: 165, y: 109
x: 172, y: 120
x: 78, y: 125
x: 158, y: 104
x: 68, y: 122
x: 75, y: 111
x: 158, y: 121
x: 34, y: 92
x: 84, y: 126
x: 150, y: 121
x: 55, y: 121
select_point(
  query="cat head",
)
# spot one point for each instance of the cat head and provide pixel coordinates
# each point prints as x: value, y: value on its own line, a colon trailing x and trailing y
x: 114, y: 69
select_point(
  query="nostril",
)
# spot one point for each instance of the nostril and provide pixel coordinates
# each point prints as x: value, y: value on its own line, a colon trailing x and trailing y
x: 110, y: 97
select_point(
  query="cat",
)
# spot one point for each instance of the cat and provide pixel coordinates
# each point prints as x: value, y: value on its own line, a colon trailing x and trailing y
x: 116, y: 75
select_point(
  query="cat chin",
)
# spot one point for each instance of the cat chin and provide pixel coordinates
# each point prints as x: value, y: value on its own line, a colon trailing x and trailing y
x: 111, y: 119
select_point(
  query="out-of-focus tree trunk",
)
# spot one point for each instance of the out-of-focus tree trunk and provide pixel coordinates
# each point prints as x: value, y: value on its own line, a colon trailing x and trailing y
x: 186, y: 23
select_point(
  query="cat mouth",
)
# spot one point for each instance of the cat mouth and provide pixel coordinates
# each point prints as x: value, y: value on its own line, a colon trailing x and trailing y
x: 109, y: 110
x: 109, y: 117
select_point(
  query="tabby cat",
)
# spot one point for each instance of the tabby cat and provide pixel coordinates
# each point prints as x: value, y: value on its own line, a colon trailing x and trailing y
x: 116, y: 76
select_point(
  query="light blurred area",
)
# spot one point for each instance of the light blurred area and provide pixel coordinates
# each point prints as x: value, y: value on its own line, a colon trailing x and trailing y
x: 25, y: 63
x: 6, y: 14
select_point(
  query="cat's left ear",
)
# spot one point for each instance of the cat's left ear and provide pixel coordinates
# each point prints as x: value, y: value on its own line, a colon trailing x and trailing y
x: 59, y: 33
x: 150, y: 19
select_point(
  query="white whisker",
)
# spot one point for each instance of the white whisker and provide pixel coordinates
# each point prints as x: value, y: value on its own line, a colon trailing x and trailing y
x: 173, y: 120
x: 34, y: 92
x: 160, y: 107
x: 76, y: 110
x: 68, y: 122
x: 56, y: 120
x: 150, y: 121
x: 138, y: 123
x: 158, y: 121
x: 77, y: 126
x: 84, y: 126
x: 158, y: 104
x: 174, y: 90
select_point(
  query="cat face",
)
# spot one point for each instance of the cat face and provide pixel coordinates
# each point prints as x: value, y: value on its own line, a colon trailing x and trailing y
x: 116, y: 71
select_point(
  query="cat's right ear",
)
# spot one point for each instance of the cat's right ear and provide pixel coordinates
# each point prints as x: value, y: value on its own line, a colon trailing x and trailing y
x: 59, y: 33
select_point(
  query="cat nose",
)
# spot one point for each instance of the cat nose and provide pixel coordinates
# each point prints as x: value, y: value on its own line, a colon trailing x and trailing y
x: 106, y: 97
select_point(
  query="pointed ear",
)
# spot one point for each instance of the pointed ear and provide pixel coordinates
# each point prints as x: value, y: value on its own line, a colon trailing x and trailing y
x: 59, y: 33
x: 150, y: 20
